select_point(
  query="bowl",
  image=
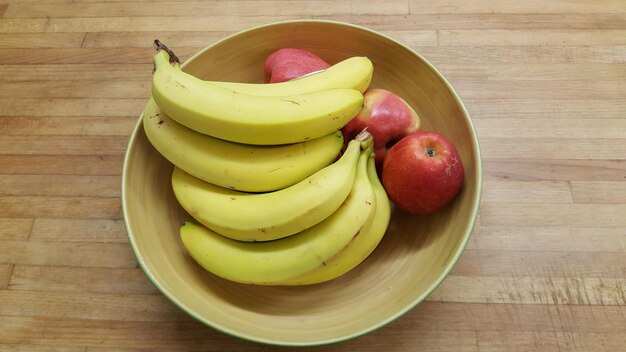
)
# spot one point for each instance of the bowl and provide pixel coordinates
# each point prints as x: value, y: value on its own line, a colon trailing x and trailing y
x: 413, y: 258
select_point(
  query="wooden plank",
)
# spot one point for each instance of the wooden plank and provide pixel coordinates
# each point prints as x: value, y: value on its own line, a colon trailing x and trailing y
x: 110, y: 255
x: 525, y: 238
x: 37, y: 40
x: 68, y: 125
x: 430, y: 318
x: 189, y: 336
x: 549, y: 341
x: 571, y: 215
x: 233, y: 23
x: 12, y: 229
x: 61, y: 207
x: 60, y: 185
x: 532, y: 290
x: 468, y: 341
x: 39, y: 1
x: 599, y: 192
x: 550, y: 128
x: 5, y: 275
x: 43, y: 72
x: 512, y: 6
x: 177, y: 39
x: 463, y: 20
x: 403, y: 341
x: 26, y: 347
x: 71, y: 107
x: 63, y: 145
x: 62, y: 164
x: 557, y: 170
x: 133, y: 24
x: 208, y: 8
x: 413, y: 37
x: 79, y: 230
x: 427, y: 317
x: 543, y: 108
x: 497, y: 191
x: 540, y: 72
x: 77, y: 279
x: 515, y: 264
x: 474, y: 37
x: 548, y: 148
x: 538, y: 90
x: 71, y: 89
x: 95, y: 306
x: 47, y: 56
x: 519, y: 54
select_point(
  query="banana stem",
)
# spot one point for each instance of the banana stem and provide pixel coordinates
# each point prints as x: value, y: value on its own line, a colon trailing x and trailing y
x: 158, y: 45
x: 365, y: 138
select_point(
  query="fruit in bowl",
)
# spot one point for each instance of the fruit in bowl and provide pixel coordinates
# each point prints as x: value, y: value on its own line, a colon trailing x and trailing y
x: 387, y: 117
x: 413, y: 257
x: 304, y: 232
x: 422, y: 172
x: 286, y: 64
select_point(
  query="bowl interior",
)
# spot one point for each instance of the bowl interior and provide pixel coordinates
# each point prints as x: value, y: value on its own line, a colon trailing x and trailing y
x: 414, y: 256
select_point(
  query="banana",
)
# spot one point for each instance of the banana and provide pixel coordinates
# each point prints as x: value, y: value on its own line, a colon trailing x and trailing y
x: 272, y: 215
x: 361, y: 246
x: 234, y: 165
x: 355, y: 72
x: 251, y: 119
x: 271, y: 262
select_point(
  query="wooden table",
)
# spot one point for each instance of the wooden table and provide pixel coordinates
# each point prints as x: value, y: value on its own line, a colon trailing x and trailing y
x: 545, y: 82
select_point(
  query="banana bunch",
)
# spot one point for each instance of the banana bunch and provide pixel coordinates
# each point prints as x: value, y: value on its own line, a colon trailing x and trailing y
x: 320, y: 253
x: 260, y: 169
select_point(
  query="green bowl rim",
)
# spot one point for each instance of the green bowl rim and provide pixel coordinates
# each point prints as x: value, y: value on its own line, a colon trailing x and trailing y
x: 380, y: 324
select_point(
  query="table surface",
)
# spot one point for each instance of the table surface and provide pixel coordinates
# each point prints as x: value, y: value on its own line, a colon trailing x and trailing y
x: 545, y: 82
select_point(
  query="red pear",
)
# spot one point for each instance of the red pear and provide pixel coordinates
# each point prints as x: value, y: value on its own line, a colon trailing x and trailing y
x: 289, y: 63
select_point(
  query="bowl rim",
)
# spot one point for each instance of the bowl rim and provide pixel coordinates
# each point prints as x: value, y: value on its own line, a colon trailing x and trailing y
x: 416, y: 301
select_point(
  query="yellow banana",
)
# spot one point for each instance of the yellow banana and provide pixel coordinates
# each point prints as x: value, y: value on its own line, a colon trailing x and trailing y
x: 355, y: 72
x: 271, y: 262
x: 268, y: 216
x: 233, y: 165
x: 251, y: 119
x: 361, y: 246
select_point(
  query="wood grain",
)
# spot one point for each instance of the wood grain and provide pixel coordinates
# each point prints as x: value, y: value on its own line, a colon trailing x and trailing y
x: 208, y: 8
x: 62, y: 164
x: 55, y: 72
x: 36, y: 40
x: 79, y: 230
x: 12, y: 229
x: 109, y: 255
x: 80, y: 279
x: 68, y: 125
x: 549, y: 238
x: 545, y: 83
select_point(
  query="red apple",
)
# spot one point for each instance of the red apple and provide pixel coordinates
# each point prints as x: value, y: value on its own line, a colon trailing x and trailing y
x: 387, y: 117
x: 422, y: 172
x: 289, y: 63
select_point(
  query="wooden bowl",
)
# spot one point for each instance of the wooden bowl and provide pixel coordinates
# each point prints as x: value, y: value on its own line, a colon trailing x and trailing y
x: 414, y: 257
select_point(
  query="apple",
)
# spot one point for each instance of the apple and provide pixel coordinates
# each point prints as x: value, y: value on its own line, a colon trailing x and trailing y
x: 387, y: 117
x: 422, y: 172
x: 288, y: 63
